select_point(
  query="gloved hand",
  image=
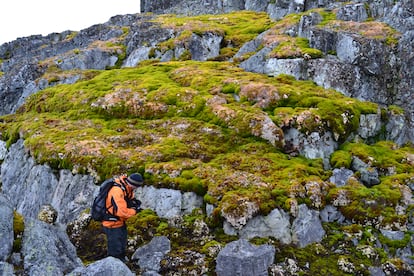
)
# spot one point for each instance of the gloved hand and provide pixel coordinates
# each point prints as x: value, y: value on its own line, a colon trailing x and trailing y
x: 135, y: 204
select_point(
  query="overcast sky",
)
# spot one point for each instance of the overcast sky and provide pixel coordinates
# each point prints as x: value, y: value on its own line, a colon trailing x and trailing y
x: 20, y: 18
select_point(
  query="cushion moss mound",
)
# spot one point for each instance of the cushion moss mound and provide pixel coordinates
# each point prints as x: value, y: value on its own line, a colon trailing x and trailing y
x: 193, y: 126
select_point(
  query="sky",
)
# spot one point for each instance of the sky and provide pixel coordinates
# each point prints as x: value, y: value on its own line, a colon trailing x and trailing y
x: 21, y: 18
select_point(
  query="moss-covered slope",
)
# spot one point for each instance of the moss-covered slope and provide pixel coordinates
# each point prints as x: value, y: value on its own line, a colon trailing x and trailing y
x: 212, y: 128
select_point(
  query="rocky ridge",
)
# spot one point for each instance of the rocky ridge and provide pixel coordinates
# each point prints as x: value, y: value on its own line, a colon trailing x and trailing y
x: 356, y: 65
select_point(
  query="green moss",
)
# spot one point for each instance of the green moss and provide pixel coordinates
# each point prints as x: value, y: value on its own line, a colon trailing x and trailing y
x: 369, y: 204
x: 396, y: 110
x: 18, y: 230
x: 394, y: 245
x: 341, y: 159
x: 295, y: 48
x: 236, y: 28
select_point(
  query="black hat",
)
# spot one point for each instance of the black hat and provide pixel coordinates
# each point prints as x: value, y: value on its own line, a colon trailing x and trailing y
x: 135, y: 179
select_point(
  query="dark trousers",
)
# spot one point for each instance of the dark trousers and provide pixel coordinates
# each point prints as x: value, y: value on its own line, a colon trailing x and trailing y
x: 116, y: 241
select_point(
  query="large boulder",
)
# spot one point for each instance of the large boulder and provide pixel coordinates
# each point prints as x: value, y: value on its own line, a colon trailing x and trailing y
x: 106, y: 267
x: 149, y: 256
x: 167, y: 203
x: 47, y: 250
x: 307, y: 227
x: 276, y: 225
x: 243, y: 258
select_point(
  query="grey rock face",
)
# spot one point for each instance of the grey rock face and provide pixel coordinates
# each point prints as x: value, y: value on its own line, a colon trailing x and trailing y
x: 256, y: 5
x: 369, y: 175
x: 307, y: 227
x: 276, y: 224
x: 204, y: 47
x: 167, y: 203
x: 331, y: 214
x: 6, y: 228
x: 369, y: 125
x: 192, y: 7
x: 13, y: 83
x: 29, y: 186
x: 311, y: 146
x: 109, y: 266
x: 257, y: 62
x: 72, y: 195
x: 6, y: 269
x: 3, y: 150
x: 294, y: 67
x: 242, y: 258
x: 340, y: 176
x: 352, y: 12
x: 47, y: 250
x: 23, y: 179
x: 88, y: 59
x: 148, y: 257
x: 137, y: 56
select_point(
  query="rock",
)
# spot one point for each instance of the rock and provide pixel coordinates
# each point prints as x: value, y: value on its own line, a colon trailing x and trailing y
x: 138, y: 55
x: 3, y: 150
x: 376, y: 271
x: 243, y: 258
x: 255, y: 5
x: 340, y: 176
x: 369, y: 175
x: 6, y: 228
x: 73, y: 194
x: 190, y: 201
x: 47, y: 250
x: 167, y: 203
x: 331, y: 214
x: 257, y: 62
x: 307, y: 227
x: 294, y: 67
x: 25, y: 183
x: 88, y: 59
x: 6, y: 269
x: 105, y: 267
x: 369, y: 125
x: 204, y: 47
x: 352, y: 12
x: 311, y: 146
x: 393, y: 235
x: 149, y: 256
x: 276, y: 224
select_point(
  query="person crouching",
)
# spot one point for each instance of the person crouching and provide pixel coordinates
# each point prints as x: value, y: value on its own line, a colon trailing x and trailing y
x: 122, y: 205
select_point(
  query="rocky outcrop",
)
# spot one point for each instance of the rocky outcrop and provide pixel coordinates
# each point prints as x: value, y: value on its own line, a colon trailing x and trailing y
x: 149, y: 256
x: 242, y: 258
x: 47, y: 250
x: 6, y: 228
x: 276, y: 224
x: 107, y: 266
x: 358, y: 66
x: 29, y: 186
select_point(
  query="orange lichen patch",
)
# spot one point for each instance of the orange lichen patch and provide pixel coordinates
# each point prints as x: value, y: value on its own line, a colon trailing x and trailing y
x: 264, y: 95
x: 374, y: 30
x: 109, y: 45
x: 86, y: 147
x: 272, y: 39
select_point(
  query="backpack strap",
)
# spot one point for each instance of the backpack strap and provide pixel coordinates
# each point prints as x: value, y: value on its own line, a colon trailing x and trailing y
x: 108, y: 215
